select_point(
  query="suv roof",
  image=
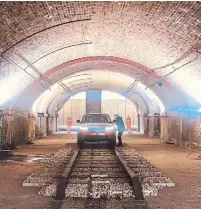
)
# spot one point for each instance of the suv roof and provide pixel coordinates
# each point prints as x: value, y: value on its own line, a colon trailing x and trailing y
x: 96, y: 114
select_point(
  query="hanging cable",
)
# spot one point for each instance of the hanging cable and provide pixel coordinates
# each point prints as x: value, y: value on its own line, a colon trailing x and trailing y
x: 175, y: 69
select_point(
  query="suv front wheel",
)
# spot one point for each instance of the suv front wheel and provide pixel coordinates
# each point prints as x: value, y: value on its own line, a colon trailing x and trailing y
x: 79, y: 142
x: 113, y: 142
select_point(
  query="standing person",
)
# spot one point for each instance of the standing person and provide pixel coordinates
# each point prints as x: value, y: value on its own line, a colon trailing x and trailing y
x: 120, y: 125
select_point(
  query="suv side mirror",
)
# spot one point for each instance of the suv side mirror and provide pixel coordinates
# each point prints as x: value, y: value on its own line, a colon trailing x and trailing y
x: 78, y: 121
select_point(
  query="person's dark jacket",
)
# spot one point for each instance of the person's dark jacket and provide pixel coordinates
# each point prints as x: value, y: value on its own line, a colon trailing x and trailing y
x: 120, y: 124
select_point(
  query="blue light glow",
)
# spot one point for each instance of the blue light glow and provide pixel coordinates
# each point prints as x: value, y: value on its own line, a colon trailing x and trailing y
x: 185, y: 111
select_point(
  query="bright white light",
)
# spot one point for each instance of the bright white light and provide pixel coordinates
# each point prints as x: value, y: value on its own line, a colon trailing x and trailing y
x: 111, y: 128
x: 152, y: 96
x: 199, y: 110
x: 190, y: 83
x: 105, y: 95
x: 10, y: 87
x: 83, y: 128
x: 111, y: 95
x: 36, y: 102
x: 41, y: 101
x: 81, y: 95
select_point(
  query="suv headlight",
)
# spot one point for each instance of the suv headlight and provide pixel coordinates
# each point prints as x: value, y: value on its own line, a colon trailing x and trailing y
x: 83, y: 128
x: 110, y: 129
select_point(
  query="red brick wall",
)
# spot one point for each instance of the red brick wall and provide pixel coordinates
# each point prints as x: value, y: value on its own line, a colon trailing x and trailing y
x: 182, y: 131
x: 150, y: 125
x: 18, y: 129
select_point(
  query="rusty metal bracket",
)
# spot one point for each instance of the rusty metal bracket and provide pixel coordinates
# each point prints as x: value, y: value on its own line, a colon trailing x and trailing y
x: 135, y: 179
x: 63, y: 180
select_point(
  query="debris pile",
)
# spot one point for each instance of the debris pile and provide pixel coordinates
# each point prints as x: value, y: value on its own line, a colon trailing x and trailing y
x: 150, y: 177
x: 51, y: 170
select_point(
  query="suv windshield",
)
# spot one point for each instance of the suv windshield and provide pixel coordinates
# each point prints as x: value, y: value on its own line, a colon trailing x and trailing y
x: 96, y: 119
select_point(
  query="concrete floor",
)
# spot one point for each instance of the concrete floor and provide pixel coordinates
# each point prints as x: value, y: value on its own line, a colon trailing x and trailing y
x: 170, y: 159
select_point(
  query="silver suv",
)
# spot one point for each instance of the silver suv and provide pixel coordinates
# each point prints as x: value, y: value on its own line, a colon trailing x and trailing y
x: 96, y: 127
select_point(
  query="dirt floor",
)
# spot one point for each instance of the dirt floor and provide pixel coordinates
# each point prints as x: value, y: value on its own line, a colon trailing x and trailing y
x: 170, y: 159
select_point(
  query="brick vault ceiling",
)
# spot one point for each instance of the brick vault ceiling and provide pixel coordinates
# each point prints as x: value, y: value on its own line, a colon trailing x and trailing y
x: 97, y: 79
x: 145, y: 40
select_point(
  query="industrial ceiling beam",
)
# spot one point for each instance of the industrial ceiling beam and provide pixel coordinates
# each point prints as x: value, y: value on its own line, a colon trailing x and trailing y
x: 130, y: 87
x: 64, y: 86
x: 21, y: 69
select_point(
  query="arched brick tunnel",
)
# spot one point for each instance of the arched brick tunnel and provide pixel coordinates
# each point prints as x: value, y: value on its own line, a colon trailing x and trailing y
x: 148, y: 52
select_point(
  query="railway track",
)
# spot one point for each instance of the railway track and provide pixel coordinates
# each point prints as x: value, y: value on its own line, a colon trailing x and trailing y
x: 99, y: 178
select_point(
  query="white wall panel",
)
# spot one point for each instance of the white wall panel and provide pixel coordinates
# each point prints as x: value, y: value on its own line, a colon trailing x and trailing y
x: 76, y: 108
